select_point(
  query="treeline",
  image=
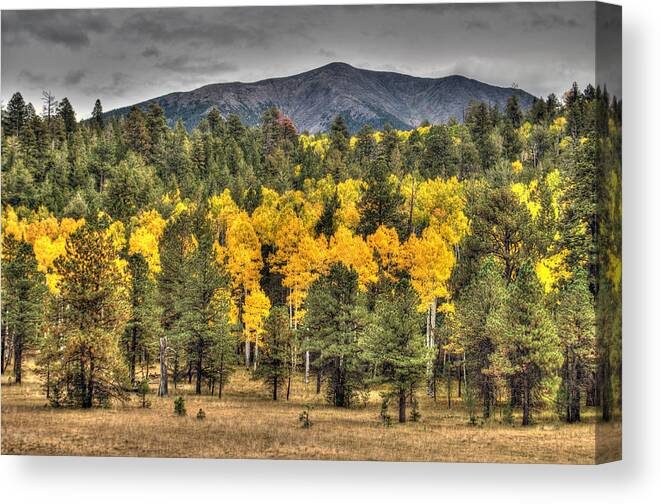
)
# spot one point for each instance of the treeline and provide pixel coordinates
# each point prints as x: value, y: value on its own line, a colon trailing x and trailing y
x: 478, y: 252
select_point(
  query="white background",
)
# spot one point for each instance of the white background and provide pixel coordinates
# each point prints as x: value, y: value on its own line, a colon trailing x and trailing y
x: 636, y: 479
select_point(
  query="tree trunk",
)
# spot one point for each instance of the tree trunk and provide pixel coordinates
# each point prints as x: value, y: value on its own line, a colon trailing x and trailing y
x: 132, y: 352
x: 402, y: 405
x: 221, y: 376
x: 526, y: 401
x: 198, y: 375
x: 307, y: 366
x: 246, y: 348
x: 431, y: 342
x: 162, y: 357
x: 318, y: 379
x: 18, y: 359
x: 275, y: 388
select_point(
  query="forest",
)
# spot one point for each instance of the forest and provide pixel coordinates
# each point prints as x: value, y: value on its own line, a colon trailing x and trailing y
x: 478, y: 259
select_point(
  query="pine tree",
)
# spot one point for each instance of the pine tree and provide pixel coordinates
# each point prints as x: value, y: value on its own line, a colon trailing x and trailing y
x: 23, y: 296
x: 90, y: 315
x: 203, y: 304
x: 97, y: 116
x: 335, y: 321
x: 275, y: 367
x: 479, y: 310
x: 576, y: 328
x: 394, y: 343
x: 14, y: 116
x: 381, y: 202
x: 527, y: 344
x: 66, y: 113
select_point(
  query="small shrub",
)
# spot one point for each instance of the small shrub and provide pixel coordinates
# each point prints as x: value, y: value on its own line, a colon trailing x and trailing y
x: 180, y: 406
x: 386, y: 419
x: 508, y: 414
x: 143, y: 390
x: 471, y: 405
x: 201, y: 415
x: 415, y: 412
x: 304, y: 417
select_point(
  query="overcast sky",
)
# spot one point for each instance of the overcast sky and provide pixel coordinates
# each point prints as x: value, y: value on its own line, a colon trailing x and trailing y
x: 128, y: 55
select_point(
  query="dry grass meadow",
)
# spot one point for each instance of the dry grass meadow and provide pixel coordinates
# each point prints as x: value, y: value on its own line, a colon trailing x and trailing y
x: 247, y: 424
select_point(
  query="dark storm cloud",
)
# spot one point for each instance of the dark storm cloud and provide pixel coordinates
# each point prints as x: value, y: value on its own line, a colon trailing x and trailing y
x: 71, y: 29
x: 151, y: 52
x: 162, y: 26
x: 124, y: 56
x: 185, y: 63
x: 73, y: 77
x: 31, y: 78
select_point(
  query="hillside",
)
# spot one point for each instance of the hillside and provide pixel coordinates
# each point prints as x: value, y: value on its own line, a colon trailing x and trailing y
x: 312, y: 99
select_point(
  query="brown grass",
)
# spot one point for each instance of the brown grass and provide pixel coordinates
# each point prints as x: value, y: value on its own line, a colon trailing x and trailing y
x: 247, y: 424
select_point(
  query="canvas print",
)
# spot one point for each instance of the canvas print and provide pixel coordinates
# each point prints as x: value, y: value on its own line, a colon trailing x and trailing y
x: 372, y: 232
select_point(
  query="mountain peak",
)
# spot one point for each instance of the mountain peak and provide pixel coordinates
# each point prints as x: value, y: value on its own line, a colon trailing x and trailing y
x: 314, y: 98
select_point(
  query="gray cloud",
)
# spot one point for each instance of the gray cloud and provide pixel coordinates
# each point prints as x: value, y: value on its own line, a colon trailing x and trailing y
x: 151, y: 52
x: 71, y: 29
x: 73, y: 77
x: 31, y: 78
x: 185, y: 63
x: 130, y: 55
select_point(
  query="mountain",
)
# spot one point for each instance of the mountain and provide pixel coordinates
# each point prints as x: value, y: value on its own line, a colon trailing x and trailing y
x: 313, y: 99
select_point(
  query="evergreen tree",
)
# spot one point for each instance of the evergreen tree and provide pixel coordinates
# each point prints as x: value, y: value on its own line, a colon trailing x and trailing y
x: 97, y: 116
x: 14, y: 116
x: 527, y: 344
x: 395, y: 343
x: 479, y: 310
x: 381, y: 202
x: 576, y: 328
x: 23, y: 295
x: 274, y: 367
x: 91, y: 313
x: 66, y: 113
x: 335, y: 321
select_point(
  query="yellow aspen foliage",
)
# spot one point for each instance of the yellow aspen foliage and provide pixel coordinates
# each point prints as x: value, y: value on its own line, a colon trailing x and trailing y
x: 354, y: 252
x: 385, y: 247
x: 145, y: 238
x: 242, y: 253
x: 558, y: 126
x: 318, y: 143
x: 255, y: 311
x: 528, y: 195
x: 429, y: 260
x: 222, y: 209
x: 439, y: 203
x: 12, y: 225
x: 306, y: 262
x: 552, y: 270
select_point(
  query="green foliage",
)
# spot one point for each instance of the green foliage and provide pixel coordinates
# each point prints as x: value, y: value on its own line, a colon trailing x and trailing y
x: 180, y: 406
x: 304, y: 417
x: 336, y: 320
x: 386, y: 419
x: 143, y: 391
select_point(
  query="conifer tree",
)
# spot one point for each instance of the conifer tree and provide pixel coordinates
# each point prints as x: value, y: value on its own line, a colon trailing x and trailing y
x: 394, y: 343
x: 527, y: 344
x: 576, y: 329
x: 479, y: 310
x: 91, y: 315
x: 335, y: 321
x: 97, y: 116
x: 23, y: 296
x: 381, y: 202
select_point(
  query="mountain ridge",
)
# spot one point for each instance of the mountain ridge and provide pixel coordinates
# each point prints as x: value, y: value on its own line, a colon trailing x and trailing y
x: 314, y: 97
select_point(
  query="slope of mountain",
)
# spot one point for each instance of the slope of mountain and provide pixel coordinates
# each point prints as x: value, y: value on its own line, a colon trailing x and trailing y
x: 312, y: 99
